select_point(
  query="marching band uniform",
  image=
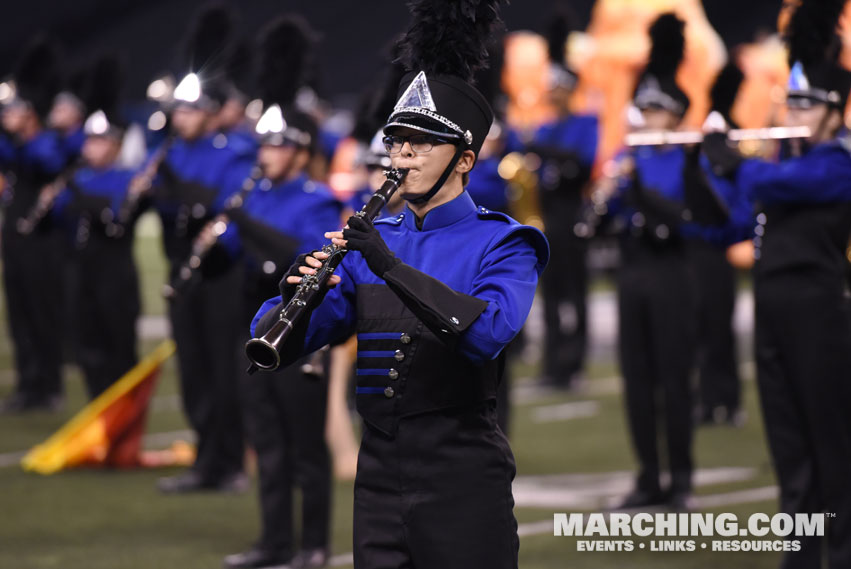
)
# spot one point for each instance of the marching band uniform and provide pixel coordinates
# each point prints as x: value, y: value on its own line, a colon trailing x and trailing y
x: 32, y: 261
x: 108, y: 289
x: 284, y: 413
x: 568, y: 148
x: 656, y: 286
x: 803, y: 328
x: 433, y: 487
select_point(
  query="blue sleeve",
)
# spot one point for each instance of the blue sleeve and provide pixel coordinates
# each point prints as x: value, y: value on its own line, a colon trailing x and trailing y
x: 231, y: 180
x: 325, y: 216
x: 50, y: 155
x: 231, y: 183
x: 818, y: 177
x: 230, y: 241
x: 7, y: 150
x: 333, y: 320
x: 507, y: 282
x: 590, y: 140
x: 63, y: 200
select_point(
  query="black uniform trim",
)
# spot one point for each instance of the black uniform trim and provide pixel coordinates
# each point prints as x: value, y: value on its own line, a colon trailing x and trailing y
x: 446, y: 312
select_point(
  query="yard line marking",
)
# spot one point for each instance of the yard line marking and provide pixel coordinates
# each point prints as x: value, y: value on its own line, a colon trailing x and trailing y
x: 565, y: 411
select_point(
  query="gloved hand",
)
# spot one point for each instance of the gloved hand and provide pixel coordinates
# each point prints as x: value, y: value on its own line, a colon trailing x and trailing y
x: 361, y: 235
x: 288, y: 289
x: 725, y: 160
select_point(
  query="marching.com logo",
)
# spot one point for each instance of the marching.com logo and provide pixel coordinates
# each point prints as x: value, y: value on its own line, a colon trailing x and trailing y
x: 778, y: 531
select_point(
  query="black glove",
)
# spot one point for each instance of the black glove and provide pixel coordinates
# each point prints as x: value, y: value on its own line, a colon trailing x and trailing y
x: 725, y: 160
x: 656, y: 208
x: 704, y: 203
x: 288, y: 289
x: 361, y: 235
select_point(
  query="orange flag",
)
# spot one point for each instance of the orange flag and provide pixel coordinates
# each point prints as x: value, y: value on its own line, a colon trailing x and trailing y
x: 108, y: 431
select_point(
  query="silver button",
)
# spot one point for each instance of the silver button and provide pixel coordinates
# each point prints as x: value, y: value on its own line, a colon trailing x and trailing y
x: 399, y: 355
x: 389, y: 392
x: 455, y: 321
x: 393, y: 374
x: 405, y: 339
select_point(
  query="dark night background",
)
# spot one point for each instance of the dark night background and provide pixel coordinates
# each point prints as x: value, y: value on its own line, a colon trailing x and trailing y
x: 148, y: 34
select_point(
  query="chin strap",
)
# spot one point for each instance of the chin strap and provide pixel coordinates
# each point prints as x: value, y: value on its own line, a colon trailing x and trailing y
x: 459, y: 150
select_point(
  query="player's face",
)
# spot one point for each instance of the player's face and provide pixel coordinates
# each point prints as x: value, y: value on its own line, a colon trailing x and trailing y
x: 424, y: 167
x: 659, y: 119
x: 189, y: 123
x: 819, y: 118
x: 64, y: 116
x: 277, y: 162
x: 100, y: 151
x: 15, y: 118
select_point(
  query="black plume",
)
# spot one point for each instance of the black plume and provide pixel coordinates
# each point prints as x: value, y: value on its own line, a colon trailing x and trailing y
x: 811, y: 33
x: 377, y: 101
x: 106, y: 79
x: 559, y: 28
x: 240, y: 68
x: 209, y: 42
x: 37, y: 74
x: 76, y: 82
x: 726, y: 87
x: 286, y: 47
x: 449, y: 37
x: 668, y: 45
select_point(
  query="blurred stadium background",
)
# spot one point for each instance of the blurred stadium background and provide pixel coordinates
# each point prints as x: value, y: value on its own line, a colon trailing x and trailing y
x: 572, y: 449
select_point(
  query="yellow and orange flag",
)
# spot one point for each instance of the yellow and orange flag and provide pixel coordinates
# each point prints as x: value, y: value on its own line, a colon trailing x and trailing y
x: 108, y: 431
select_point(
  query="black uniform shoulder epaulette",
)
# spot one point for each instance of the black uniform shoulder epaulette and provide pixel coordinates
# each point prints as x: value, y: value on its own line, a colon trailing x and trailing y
x: 395, y: 220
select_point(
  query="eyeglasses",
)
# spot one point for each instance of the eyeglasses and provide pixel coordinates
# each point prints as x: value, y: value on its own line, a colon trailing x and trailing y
x: 419, y: 143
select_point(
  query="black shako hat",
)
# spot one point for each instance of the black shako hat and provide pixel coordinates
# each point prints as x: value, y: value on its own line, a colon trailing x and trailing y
x: 658, y: 87
x: 443, y: 48
x: 286, y: 61
x: 816, y: 75
x: 443, y: 105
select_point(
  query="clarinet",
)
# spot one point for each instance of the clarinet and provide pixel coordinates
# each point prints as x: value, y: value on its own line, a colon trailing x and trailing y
x: 265, y: 352
x: 201, y: 250
x: 44, y: 203
x: 142, y: 182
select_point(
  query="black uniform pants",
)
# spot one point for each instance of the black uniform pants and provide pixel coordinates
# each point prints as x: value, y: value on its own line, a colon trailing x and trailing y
x: 206, y: 324
x: 656, y: 357
x: 565, y: 286
x: 437, y: 495
x: 34, y: 290
x: 716, y: 351
x: 803, y: 351
x: 285, y: 419
x: 108, y: 307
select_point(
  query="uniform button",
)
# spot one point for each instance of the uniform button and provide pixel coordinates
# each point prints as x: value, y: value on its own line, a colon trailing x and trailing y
x: 389, y: 392
x: 399, y: 356
x: 405, y: 339
x: 455, y: 321
x: 393, y: 374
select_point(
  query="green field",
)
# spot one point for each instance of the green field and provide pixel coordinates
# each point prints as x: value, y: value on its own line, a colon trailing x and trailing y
x: 88, y: 519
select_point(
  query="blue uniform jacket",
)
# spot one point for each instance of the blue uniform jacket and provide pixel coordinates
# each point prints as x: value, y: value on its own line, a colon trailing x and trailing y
x: 301, y: 209
x: 210, y: 163
x: 822, y: 175
x: 471, y: 250
x: 577, y: 133
x: 742, y: 221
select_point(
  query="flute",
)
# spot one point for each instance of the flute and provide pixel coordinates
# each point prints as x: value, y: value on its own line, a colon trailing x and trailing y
x: 673, y: 137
